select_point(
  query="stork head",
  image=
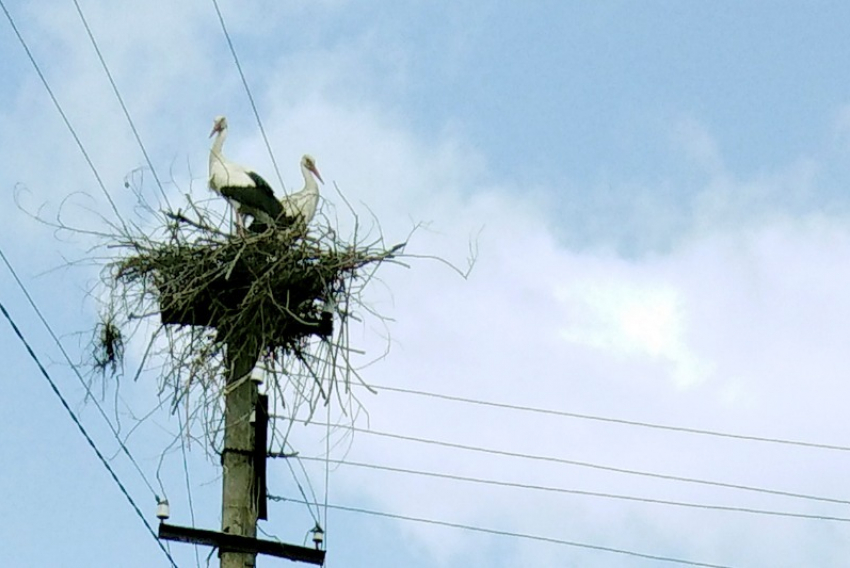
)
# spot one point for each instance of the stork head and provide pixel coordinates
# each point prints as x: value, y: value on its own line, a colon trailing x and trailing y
x: 219, y: 125
x: 309, y: 162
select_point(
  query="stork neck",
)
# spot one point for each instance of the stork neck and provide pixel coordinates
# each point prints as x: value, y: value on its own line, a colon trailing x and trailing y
x: 310, y: 183
x: 219, y: 142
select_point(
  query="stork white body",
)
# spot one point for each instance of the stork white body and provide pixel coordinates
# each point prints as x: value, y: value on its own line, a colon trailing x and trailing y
x: 301, y: 206
x: 244, y: 189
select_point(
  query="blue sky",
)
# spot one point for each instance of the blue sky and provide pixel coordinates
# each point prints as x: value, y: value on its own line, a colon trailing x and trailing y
x: 658, y: 197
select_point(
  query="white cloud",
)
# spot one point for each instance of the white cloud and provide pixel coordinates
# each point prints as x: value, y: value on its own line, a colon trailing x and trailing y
x: 621, y: 316
x: 717, y: 333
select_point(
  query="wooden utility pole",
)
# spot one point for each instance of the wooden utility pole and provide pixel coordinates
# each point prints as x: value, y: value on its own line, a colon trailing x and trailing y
x: 243, y: 484
x: 243, y: 463
x: 248, y: 319
x: 239, y: 492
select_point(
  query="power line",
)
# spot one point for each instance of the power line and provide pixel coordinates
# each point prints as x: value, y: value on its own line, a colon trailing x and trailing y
x: 614, y: 420
x: 115, y: 210
x: 498, y: 483
x: 85, y: 385
x: 248, y: 91
x: 85, y: 434
x: 327, y: 464
x: 184, y: 428
x: 552, y: 459
x: 511, y: 534
x: 62, y: 113
x: 301, y: 488
x: 121, y: 101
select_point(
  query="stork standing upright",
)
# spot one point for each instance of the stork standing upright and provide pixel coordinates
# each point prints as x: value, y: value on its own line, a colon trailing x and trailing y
x: 244, y: 189
x: 301, y: 206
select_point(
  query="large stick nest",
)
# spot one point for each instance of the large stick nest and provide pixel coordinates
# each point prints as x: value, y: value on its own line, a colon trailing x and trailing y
x: 279, y: 285
x: 290, y: 292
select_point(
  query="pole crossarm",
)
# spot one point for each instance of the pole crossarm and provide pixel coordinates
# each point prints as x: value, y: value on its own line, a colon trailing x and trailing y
x: 244, y: 544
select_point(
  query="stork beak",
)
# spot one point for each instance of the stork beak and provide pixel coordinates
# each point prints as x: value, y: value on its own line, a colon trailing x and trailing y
x: 318, y: 175
x: 215, y: 129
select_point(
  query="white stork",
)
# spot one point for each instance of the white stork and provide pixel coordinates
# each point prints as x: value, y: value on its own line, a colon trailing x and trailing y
x: 245, y: 190
x: 299, y: 208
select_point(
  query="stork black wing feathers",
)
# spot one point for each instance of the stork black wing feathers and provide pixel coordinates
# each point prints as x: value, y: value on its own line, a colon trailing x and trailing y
x: 260, y: 197
x: 261, y: 183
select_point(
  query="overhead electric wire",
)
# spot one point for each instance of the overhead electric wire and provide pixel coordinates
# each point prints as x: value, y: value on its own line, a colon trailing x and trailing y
x: 550, y: 489
x: 301, y: 488
x: 248, y: 91
x: 327, y: 467
x: 76, y: 371
x: 512, y: 534
x: 184, y: 427
x: 121, y: 101
x: 577, y: 463
x: 85, y: 434
x: 614, y: 420
x: 62, y: 113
